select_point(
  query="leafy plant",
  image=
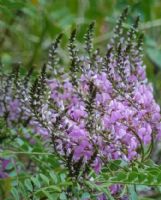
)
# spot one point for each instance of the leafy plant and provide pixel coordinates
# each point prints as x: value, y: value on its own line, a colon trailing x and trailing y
x: 84, y: 132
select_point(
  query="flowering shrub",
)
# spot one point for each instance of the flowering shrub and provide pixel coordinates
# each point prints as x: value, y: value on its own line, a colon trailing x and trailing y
x: 13, y: 89
x: 103, y: 107
x: 99, y: 110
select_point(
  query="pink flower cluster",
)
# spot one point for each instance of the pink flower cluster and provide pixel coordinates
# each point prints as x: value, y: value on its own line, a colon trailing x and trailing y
x: 125, y: 115
x: 3, y: 165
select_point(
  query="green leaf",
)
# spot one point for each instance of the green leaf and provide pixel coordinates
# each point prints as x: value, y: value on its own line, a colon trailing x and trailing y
x: 159, y: 178
x: 55, y: 188
x: 15, y: 193
x: 141, y: 177
x: 44, y: 178
x: 28, y: 185
x: 36, y: 181
x: 114, y: 165
x: 63, y: 196
x: 62, y: 177
x: 155, y: 56
x: 53, y: 176
x: 121, y: 176
x: 85, y: 195
x: 23, y: 191
x: 47, y: 194
x: 132, y: 193
x: 132, y: 176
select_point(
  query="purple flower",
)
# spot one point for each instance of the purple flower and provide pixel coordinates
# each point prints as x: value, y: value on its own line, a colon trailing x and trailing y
x: 3, y: 164
x: 76, y: 113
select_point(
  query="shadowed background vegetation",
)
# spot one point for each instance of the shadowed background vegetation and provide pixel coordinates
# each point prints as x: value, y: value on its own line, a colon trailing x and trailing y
x: 27, y: 27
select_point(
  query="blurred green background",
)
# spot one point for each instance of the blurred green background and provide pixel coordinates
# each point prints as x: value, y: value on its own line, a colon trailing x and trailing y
x: 27, y: 27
